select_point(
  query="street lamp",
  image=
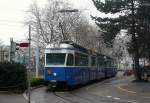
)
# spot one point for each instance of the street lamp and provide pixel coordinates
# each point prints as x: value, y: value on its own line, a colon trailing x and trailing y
x: 60, y: 24
x: 65, y: 10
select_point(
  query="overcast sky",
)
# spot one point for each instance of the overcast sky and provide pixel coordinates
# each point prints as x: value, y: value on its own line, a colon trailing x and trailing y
x: 13, y: 13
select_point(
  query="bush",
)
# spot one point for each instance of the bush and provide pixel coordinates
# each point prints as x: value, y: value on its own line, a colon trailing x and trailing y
x: 37, y: 81
x: 13, y: 76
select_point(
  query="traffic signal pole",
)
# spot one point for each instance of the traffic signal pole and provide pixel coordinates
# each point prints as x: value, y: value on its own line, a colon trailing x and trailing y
x: 12, y: 50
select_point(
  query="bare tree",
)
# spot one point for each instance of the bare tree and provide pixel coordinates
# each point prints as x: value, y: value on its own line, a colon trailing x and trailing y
x: 44, y: 22
x: 50, y: 26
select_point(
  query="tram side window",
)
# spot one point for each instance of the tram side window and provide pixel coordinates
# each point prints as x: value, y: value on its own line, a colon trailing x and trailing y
x: 70, y: 60
x: 105, y: 64
x: 81, y: 59
x: 108, y: 64
x: 93, y: 62
x: 100, y: 62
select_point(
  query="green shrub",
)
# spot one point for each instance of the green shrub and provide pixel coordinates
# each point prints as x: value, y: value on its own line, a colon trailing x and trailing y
x: 13, y: 76
x: 37, y: 81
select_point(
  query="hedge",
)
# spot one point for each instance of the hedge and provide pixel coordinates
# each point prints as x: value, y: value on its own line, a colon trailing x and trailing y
x: 37, y: 81
x: 13, y: 76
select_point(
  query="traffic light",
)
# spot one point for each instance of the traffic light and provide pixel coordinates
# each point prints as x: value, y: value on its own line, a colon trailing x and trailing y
x: 14, y: 46
x: 17, y: 46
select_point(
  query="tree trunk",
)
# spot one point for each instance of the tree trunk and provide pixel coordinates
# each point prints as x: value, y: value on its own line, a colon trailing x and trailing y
x: 135, y: 46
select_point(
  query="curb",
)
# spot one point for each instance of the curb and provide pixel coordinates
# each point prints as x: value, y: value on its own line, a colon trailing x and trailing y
x: 4, y: 92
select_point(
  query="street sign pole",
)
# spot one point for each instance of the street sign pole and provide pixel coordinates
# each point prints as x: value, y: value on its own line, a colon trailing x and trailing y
x: 37, y: 54
x: 37, y: 62
x: 29, y: 66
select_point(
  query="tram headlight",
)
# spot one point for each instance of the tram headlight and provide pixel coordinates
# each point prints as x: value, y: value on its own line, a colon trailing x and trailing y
x: 55, y: 74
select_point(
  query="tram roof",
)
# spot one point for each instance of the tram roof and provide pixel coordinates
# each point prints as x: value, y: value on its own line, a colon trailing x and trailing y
x: 68, y: 46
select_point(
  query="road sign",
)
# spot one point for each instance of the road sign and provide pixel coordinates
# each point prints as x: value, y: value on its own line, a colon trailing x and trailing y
x: 25, y: 44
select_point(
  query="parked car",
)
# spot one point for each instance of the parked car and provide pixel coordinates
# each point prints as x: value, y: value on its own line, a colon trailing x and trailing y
x: 128, y: 72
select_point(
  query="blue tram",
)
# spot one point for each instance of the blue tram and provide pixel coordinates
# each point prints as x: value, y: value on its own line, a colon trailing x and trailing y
x: 73, y: 65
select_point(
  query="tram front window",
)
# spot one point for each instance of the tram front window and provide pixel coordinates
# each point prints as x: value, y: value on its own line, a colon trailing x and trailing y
x: 55, y: 59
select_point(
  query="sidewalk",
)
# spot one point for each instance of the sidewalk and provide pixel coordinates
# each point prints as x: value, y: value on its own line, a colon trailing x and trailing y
x: 6, y: 97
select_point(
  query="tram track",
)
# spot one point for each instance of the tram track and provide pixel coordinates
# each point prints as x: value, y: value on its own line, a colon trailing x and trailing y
x: 64, y: 99
x: 87, y: 94
x: 82, y: 99
x: 80, y: 96
x: 75, y: 96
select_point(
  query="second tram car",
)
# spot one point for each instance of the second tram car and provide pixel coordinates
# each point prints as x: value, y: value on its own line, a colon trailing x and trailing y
x: 72, y: 65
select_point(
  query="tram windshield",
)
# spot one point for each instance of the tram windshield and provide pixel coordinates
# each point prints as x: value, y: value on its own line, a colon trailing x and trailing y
x: 55, y: 59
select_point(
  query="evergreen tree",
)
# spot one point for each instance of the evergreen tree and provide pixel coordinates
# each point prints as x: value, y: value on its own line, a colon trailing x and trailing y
x: 131, y: 15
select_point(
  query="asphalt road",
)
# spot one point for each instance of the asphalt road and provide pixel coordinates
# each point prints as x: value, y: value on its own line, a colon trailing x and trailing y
x: 108, y: 91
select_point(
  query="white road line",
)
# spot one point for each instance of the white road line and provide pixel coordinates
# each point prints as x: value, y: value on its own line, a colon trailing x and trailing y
x: 111, y: 97
x: 132, y: 102
x: 128, y: 101
x: 147, y: 97
x: 116, y: 98
x: 108, y: 96
x: 25, y: 96
x: 99, y: 83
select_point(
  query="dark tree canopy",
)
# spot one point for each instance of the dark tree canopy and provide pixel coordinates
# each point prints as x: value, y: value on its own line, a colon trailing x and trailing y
x: 131, y: 15
x: 111, y: 26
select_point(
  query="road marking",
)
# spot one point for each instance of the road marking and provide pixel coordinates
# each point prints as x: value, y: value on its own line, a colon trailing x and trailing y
x: 116, y: 98
x: 147, y: 97
x: 123, y: 89
x: 99, y: 83
x: 133, y: 92
x: 25, y: 96
x: 119, y: 99
x: 108, y: 96
x: 132, y: 101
